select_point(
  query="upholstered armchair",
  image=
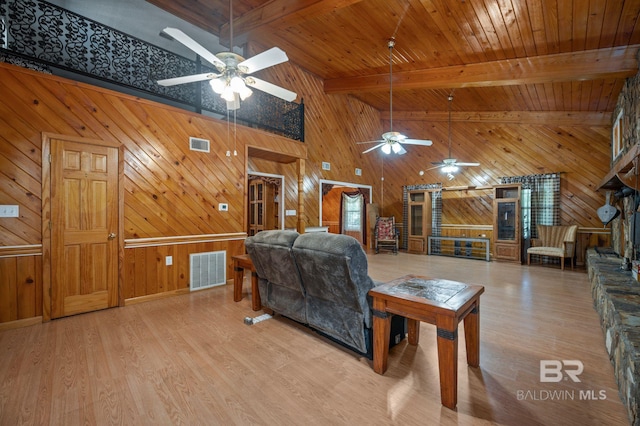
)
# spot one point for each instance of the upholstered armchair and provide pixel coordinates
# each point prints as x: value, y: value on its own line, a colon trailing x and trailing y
x: 555, y: 241
x: 386, y: 234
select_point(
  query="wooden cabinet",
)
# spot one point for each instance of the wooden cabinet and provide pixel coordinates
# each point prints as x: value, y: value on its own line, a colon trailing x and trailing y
x: 263, y: 207
x: 506, y: 222
x: 419, y: 226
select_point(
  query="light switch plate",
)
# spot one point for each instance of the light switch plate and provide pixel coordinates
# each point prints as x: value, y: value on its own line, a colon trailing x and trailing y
x: 290, y: 213
x: 223, y: 207
x: 168, y: 260
x: 9, y: 211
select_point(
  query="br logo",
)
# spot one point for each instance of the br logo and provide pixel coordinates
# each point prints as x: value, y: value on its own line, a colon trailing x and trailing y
x: 553, y: 370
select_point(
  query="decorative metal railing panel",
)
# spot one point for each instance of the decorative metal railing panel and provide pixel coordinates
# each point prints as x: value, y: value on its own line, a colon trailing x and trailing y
x: 49, y: 37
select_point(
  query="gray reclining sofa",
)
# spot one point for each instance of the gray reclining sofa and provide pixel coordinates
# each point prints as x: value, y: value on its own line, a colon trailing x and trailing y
x: 320, y: 280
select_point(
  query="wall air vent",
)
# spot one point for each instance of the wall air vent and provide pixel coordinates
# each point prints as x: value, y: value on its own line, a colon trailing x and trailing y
x: 197, y: 144
x: 207, y: 269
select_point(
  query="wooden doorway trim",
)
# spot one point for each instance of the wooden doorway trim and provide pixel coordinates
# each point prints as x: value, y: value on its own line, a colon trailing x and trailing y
x: 46, y: 214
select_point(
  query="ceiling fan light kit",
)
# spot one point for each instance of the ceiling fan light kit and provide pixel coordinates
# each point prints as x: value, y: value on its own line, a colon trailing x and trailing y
x: 232, y: 83
x: 450, y: 165
x: 392, y: 141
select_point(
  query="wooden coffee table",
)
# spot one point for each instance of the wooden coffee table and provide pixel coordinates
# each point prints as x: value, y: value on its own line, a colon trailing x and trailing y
x: 436, y: 301
x: 240, y: 263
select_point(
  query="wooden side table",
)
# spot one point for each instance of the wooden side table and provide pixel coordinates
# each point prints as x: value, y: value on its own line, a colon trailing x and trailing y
x: 436, y: 301
x: 240, y: 263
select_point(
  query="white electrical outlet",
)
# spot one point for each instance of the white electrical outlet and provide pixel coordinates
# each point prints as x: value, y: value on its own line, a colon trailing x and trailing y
x: 326, y: 165
x: 358, y: 172
x: 290, y: 213
x: 9, y: 211
x: 168, y: 260
x: 223, y: 207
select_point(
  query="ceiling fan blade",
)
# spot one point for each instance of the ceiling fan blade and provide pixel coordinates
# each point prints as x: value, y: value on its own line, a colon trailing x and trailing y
x: 186, y: 79
x: 378, y: 141
x: 423, y: 142
x: 271, y: 89
x: 195, y: 46
x: 373, y: 147
x: 439, y: 166
x: 266, y: 59
x: 467, y: 164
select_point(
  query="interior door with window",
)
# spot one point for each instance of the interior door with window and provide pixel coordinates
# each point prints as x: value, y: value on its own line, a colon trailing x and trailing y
x: 84, y: 226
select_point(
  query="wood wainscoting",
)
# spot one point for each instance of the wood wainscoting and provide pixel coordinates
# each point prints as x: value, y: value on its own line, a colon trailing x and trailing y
x: 20, y: 285
x: 146, y: 274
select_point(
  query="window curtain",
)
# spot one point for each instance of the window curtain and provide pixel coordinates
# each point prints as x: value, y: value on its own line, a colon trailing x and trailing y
x: 352, y: 215
x: 539, y: 200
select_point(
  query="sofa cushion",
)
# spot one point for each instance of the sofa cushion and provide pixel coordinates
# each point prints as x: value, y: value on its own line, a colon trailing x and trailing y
x: 279, y: 280
x: 334, y: 271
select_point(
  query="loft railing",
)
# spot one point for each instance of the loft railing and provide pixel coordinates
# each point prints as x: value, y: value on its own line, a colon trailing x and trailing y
x: 43, y: 36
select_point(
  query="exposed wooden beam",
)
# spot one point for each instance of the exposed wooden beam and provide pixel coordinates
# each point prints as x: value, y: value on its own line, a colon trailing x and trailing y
x: 615, y: 62
x: 285, y: 12
x: 566, y: 118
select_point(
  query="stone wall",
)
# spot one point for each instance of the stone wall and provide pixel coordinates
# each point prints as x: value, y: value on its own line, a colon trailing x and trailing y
x: 616, y: 296
x: 629, y: 103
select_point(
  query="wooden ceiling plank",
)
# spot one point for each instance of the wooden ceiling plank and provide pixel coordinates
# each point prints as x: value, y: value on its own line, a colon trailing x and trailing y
x: 286, y: 13
x: 612, y: 16
x: 537, y: 19
x: 451, y: 30
x: 594, y: 27
x: 626, y: 28
x: 565, y: 25
x: 521, y: 12
x: 580, y: 24
x: 587, y: 65
x: 491, y: 22
x: 467, y: 13
x: 511, y: 24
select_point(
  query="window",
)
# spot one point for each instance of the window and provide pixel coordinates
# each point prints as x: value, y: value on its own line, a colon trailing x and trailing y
x: 616, y: 137
x: 352, y: 212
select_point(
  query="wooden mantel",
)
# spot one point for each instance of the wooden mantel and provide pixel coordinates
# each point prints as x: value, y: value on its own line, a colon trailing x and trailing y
x: 623, y: 172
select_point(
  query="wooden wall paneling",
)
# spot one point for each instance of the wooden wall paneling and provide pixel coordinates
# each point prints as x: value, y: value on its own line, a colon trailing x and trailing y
x: 20, y: 288
x: 25, y: 102
x: 221, y: 179
x: 147, y: 274
x: 139, y: 273
x: 181, y: 268
x: 8, y: 290
x: 164, y: 183
x: 150, y: 273
x: 29, y: 286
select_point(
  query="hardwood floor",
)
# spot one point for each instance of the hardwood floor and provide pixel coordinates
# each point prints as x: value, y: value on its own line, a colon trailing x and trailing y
x: 191, y: 359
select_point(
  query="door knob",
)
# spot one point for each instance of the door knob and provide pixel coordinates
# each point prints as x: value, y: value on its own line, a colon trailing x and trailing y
x: 112, y: 235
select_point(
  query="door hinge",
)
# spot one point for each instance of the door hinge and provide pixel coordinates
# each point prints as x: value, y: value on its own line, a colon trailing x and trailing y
x: 50, y: 157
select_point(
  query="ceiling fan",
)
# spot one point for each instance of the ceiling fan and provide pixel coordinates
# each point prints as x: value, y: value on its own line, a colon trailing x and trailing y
x: 393, y: 141
x: 233, y: 80
x: 450, y: 165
